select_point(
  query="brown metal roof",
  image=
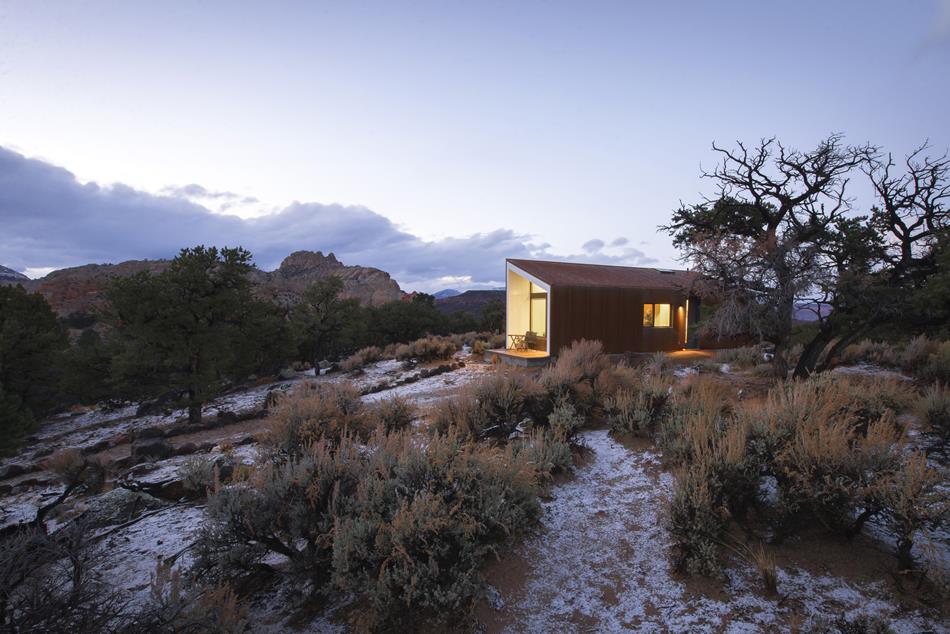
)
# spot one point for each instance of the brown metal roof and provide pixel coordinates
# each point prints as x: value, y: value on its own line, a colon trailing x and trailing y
x: 573, y: 274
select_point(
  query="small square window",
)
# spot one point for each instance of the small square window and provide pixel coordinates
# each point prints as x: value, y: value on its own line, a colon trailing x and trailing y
x: 657, y: 315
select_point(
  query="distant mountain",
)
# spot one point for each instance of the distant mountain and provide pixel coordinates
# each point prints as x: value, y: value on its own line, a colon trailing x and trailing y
x: 809, y: 311
x: 448, y: 292
x: 81, y: 289
x: 9, y: 277
x: 469, y: 302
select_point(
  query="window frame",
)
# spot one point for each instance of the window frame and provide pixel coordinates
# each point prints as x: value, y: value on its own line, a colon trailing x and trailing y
x: 654, y: 312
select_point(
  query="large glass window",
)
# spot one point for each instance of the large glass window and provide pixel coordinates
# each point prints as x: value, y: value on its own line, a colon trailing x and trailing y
x: 539, y: 310
x: 657, y: 315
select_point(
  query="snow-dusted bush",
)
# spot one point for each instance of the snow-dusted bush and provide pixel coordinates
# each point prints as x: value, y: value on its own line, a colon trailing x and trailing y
x: 912, y: 501
x: 697, y: 519
x: 637, y: 409
x: 564, y: 421
x: 361, y: 358
x: 407, y: 525
x: 48, y: 583
x: 393, y: 414
x: 740, y: 358
x: 177, y: 605
x: 831, y: 445
x: 316, y: 410
x: 933, y: 408
x: 427, y: 349
x: 545, y: 450
x: 494, y: 406
x: 201, y: 474
x: 937, y: 366
x: 579, y: 375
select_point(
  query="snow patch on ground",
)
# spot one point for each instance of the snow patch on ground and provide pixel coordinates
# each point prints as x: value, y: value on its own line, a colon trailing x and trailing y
x: 426, y: 391
x: 129, y: 556
x: 600, y: 563
x: 869, y: 369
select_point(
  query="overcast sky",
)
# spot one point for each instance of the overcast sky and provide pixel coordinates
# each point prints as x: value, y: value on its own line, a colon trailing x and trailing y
x: 430, y: 139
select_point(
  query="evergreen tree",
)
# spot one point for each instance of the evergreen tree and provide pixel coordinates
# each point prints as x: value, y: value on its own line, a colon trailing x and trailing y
x: 30, y: 339
x: 324, y: 324
x: 184, y: 329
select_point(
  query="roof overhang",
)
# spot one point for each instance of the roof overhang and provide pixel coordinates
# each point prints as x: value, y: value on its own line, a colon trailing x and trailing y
x: 528, y: 276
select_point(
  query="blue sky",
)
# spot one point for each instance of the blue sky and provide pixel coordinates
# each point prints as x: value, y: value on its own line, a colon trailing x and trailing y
x: 536, y: 127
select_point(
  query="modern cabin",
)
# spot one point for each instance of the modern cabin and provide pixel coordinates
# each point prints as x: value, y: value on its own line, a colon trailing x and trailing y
x: 628, y: 309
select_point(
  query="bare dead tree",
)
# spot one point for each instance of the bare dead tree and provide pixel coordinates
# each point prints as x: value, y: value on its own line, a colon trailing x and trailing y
x: 760, y: 237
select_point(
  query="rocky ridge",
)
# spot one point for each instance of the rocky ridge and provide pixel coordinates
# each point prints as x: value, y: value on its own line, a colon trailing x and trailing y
x: 11, y: 277
x: 81, y: 289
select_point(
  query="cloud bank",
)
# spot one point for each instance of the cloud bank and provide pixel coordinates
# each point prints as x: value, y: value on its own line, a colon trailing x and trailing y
x: 48, y: 219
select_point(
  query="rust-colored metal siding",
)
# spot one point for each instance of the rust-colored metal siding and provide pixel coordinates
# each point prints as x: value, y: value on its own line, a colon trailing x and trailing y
x: 614, y: 316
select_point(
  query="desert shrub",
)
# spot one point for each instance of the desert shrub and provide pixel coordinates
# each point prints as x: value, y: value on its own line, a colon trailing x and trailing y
x: 709, y: 366
x: 577, y: 375
x: 546, y: 451
x: 937, y: 365
x: 764, y: 370
x: 423, y: 525
x: 867, y: 351
x: 659, y: 363
x: 492, y: 406
x: 407, y: 525
x: 286, y: 508
x: 176, y: 606
x: 427, y: 349
x: 393, y: 414
x: 869, y: 398
x: 479, y: 347
x: 739, y: 358
x: 697, y: 519
x: 314, y: 410
x: 564, y: 421
x: 77, y: 471
x: 795, y: 353
x: 361, y: 358
x: 916, y: 353
x: 696, y: 407
x: 933, y: 408
x: 832, y: 471
x: 203, y: 474
x: 635, y: 411
x: 831, y: 445
x: 912, y: 501
x: 48, y: 583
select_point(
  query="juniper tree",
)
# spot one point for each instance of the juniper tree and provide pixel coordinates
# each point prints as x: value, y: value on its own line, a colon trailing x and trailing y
x: 184, y: 329
x: 781, y: 230
x: 759, y: 239
x: 30, y: 339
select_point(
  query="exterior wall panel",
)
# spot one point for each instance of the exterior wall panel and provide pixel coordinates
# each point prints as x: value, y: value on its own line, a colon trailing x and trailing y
x: 614, y: 316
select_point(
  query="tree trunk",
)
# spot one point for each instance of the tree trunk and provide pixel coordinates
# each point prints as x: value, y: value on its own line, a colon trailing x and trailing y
x: 811, y: 354
x: 194, y: 405
x: 780, y: 360
x: 836, y: 349
x: 905, y: 561
x: 194, y: 411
